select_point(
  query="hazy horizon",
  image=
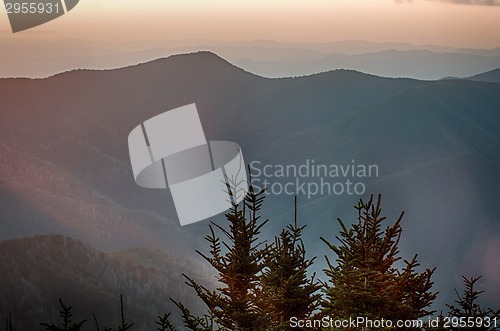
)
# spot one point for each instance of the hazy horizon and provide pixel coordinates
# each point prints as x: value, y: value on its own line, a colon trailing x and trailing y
x: 31, y: 58
x: 111, y: 34
x: 420, y: 22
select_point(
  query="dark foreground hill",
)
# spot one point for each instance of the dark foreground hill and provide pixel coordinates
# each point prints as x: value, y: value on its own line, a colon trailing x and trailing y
x: 65, y: 166
x: 38, y: 270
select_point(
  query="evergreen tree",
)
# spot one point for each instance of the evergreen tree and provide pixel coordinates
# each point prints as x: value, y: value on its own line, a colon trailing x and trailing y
x: 413, y: 291
x: 364, y: 282
x: 234, y: 304
x: 67, y: 325
x: 205, y: 323
x: 8, y: 323
x: 469, y: 310
x: 286, y: 290
x: 124, y: 325
x: 164, y: 323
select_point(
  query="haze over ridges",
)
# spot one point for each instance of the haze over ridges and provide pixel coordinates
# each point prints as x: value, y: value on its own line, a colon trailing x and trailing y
x: 420, y: 134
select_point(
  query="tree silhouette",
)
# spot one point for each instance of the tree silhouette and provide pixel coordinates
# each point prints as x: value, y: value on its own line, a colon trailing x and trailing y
x: 364, y: 282
x: 469, y: 310
x: 238, y: 263
x: 67, y: 325
x: 286, y: 290
x: 8, y: 323
x: 124, y: 325
x: 164, y: 323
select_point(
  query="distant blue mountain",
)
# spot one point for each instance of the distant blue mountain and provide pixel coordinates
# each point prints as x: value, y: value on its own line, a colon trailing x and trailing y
x: 413, y: 63
x: 492, y: 76
x: 65, y: 164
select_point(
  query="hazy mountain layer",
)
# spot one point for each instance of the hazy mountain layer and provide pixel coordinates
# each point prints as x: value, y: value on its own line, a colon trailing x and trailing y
x: 37, y: 271
x: 492, y: 76
x: 35, y: 58
x: 65, y: 165
x: 419, y: 64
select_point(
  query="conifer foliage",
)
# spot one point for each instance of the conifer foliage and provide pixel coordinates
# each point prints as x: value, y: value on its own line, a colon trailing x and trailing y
x: 263, y: 285
x: 67, y: 325
x: 469, y: 310
x: 233, y: 305
x: 286, y: 289
x: 364, y: 282
x: 164, y: 323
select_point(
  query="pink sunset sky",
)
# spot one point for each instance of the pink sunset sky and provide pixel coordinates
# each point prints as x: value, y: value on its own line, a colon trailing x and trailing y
x: 456, y: 23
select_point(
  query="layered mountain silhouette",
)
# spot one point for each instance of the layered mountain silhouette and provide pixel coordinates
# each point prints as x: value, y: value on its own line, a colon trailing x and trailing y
x: 492, y: 76
x: 416, y: 63
x: 65, y: 166
x: 39, y: 270
x: 35, y: 58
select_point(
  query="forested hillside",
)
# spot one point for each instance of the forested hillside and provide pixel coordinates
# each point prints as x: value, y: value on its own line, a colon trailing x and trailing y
x: 38, y: 270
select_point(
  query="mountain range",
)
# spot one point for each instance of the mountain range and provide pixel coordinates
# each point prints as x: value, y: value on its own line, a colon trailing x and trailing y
x: 419, y: 64
x: 492, y: 76
x: 65, y: 166
x: 25, y: 57
x: 44, y: 268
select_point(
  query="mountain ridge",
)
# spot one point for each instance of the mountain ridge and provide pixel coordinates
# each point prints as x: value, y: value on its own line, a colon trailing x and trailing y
x: 61, y: 55
x: 492, y: 76
x: 91, y: 281
x: 80, y: 121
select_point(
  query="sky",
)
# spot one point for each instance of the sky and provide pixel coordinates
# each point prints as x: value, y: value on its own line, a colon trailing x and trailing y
x: 456, y: 23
